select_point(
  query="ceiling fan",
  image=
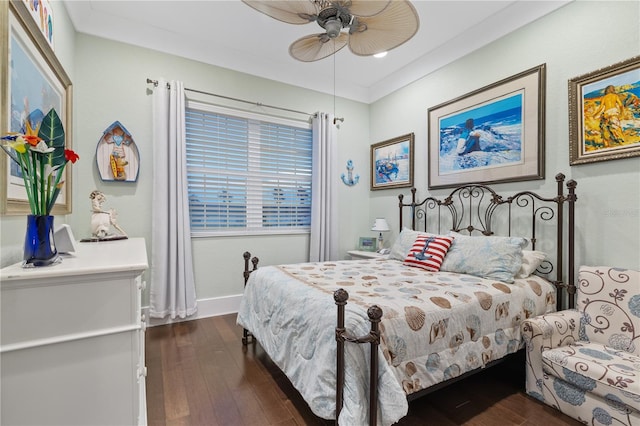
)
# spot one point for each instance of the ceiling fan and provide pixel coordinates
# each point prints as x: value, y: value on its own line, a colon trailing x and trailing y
x: 371, y: 26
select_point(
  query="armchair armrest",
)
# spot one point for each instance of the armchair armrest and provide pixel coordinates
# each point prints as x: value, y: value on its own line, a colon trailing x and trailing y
x: 542, y: 333
x: 551, y: 330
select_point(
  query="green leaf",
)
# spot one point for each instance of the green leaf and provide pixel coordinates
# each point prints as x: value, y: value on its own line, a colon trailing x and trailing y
x: 52, y: 132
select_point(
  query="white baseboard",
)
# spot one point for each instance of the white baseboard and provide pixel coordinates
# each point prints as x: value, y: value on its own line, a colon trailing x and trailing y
x: 206, y: 308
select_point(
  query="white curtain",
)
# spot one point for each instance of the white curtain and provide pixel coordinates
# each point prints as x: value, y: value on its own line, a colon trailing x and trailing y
x: 324, y: 207
x: 172, y: 279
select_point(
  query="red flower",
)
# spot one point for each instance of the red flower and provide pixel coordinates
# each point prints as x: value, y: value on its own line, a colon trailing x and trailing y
x: 70, y: 155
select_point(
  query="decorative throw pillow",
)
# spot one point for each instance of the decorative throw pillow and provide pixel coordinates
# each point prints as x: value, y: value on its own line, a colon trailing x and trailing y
x: 403, y: 243
x: 428, y: 252
x: 531, y: 259
x: 497, y: 258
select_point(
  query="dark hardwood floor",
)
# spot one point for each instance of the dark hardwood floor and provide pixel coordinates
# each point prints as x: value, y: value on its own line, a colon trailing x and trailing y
x: 198, y: 373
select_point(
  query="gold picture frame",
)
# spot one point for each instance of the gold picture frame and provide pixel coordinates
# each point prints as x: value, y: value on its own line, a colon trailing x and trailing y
x: 28, y: 58
x: 602, y: 111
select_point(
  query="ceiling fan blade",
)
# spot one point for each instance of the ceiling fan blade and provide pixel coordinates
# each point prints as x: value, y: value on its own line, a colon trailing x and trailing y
x: 289, y: 11
x: 365, y: 7
x: 385, y: 31
x: 317, y: 46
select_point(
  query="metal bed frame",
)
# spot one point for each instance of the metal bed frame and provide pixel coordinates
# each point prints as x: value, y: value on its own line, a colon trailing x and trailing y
x: 471, y: 209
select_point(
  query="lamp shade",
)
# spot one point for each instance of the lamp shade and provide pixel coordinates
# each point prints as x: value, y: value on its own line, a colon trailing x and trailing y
x: 380, y: 225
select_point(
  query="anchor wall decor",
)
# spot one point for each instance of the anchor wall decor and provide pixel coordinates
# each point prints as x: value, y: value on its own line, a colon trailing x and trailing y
x: 349, y: 179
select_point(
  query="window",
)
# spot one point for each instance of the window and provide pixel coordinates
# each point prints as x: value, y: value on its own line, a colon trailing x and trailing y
x: 247, y: 173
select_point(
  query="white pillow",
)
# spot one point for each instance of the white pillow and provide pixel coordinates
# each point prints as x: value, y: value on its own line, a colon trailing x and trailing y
x: 498, y: 258
x: 531, y: 259
x: 403, y: 244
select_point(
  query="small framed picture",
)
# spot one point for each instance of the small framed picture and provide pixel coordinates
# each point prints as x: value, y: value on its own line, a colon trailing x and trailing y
x: 392, y: 163
x: 367, y: 244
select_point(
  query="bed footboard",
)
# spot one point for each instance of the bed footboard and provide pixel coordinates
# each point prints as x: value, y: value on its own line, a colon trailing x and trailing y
x: 375, y: 314
x: 247, y: 337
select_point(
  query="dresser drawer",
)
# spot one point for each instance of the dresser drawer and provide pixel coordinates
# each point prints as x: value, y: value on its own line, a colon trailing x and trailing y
x: 84, y: 382
x: 77, y: 304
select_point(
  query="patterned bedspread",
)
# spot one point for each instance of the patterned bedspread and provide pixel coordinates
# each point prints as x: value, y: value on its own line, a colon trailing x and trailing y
x: 435, y: 326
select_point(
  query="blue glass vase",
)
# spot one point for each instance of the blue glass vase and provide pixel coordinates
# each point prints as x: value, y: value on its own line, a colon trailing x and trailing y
x: 39, y: 244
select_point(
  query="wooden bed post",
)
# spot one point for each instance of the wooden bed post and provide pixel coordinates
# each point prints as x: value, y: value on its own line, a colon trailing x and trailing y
x: 247, y: 337
x: 375, y: 314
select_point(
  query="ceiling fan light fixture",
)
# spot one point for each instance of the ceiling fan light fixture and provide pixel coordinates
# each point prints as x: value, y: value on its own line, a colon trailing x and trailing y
x: 333, y: 28
x: 380, y: 55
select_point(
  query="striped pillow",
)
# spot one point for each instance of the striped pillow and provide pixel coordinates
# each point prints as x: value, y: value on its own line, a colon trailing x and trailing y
x: 428, y: 252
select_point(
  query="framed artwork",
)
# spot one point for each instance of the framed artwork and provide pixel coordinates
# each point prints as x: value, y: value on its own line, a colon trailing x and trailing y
x: 494, y: 134
x: 367, y: 244
x: 392, y: 163
x: 604, y: 113
x: 32, y: 83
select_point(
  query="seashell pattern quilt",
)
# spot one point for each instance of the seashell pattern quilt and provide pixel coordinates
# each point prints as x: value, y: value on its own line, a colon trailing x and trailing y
x: 435, y: 326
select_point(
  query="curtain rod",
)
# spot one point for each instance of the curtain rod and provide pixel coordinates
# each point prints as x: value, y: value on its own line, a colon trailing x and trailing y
x: 155, y: 83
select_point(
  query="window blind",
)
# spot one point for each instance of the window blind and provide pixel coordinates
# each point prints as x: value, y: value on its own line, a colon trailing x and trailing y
x: 247, y: 174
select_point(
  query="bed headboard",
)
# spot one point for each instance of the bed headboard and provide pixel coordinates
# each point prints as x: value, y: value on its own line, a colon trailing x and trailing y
x: 479, y: 210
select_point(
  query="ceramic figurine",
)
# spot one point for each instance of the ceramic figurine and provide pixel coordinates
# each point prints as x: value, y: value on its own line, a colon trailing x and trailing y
x: 102, y: 220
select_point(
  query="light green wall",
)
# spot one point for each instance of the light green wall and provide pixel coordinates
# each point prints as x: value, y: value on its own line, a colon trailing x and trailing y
x: 110, y: 84
x: 576, y: 39
x: 120, y: 92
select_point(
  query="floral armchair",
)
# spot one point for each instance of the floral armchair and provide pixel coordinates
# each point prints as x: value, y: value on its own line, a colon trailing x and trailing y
x: 586, y: 362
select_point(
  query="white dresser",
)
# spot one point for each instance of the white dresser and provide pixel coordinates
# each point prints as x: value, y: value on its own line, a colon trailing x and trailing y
x: 72, y: 342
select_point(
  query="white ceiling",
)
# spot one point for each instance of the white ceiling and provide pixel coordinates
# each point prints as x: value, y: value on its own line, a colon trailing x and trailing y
x: 232, y: 35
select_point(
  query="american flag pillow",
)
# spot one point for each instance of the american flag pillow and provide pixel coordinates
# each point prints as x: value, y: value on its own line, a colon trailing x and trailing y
x: 428, y: 252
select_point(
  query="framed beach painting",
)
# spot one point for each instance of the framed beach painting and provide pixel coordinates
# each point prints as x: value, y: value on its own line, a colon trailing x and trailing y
x: 604, y: 113
x: 494, y: 134
x: 392, y: 163
x: 33, y: 81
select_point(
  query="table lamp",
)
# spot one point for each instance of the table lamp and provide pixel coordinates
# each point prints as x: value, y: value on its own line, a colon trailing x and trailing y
x: 381, y: 226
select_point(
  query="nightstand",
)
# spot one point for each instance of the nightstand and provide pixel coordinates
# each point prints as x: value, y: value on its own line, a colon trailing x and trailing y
x: 359, y: 254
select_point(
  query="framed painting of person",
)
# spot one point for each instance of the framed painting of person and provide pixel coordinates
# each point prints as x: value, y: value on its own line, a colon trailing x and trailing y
x: 604, y: 113
x: 494, y: 134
